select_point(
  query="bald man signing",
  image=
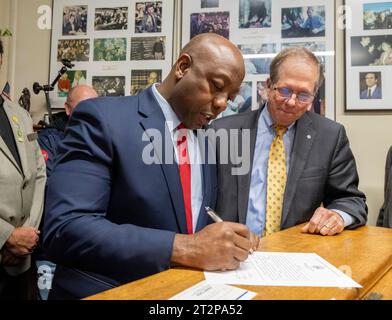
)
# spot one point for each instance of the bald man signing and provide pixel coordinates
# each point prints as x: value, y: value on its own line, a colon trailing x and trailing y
x: 125, y: 199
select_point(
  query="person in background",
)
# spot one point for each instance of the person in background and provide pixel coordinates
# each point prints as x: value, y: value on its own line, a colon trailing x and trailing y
x: 22, y: 186
x: 48, y: 140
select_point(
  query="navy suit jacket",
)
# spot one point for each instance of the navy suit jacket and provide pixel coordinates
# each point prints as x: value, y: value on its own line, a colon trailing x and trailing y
x: 376, y: 94
x: 110, y: 217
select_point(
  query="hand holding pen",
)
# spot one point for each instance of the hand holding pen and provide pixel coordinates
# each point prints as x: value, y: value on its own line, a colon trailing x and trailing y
x: 218, y: 246
x: 214, y: 216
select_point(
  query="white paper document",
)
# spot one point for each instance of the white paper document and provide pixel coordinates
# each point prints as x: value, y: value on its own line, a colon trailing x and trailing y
x: 284, y: 269
x: 210, y: 291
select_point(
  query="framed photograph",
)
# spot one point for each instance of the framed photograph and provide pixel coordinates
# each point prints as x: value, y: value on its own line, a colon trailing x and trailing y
x: 261, y: 29
x: 368, y: 46
x: 119, y: 47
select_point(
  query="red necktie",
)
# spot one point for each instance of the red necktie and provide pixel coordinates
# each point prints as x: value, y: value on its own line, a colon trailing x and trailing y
x: 185, y: 174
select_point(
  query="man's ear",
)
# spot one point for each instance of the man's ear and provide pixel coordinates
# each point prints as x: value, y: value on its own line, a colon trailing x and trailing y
x: 67, y: 108
x: 269, y: 83
x: 183, y: 64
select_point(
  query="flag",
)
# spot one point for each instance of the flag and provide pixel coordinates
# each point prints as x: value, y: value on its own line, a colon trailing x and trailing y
x: 7, y: 90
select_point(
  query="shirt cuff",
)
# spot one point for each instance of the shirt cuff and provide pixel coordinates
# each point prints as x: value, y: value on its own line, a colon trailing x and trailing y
x: 348, y: 220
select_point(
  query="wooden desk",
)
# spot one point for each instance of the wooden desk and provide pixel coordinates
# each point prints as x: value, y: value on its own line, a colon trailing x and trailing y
x: 365, y: 252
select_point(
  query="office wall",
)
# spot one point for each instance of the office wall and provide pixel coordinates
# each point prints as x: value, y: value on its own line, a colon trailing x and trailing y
x: 369, y: 133
x: 28, y: 50
x: 370, y: 137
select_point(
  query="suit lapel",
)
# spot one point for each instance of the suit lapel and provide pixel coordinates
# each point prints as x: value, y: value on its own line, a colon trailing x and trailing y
x: 244, y: 180
x: 15, y: 126
x: 304, y: 136
x: 154, y: 119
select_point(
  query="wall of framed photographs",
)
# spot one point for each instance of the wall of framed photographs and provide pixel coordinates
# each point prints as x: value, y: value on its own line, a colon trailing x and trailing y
x: 369, y: 56
x: 261, y: 28
x: 119, y: 47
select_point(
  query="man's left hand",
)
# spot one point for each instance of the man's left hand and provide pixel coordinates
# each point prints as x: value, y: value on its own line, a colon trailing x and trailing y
x: 325, y: 222
x: 9, y: 260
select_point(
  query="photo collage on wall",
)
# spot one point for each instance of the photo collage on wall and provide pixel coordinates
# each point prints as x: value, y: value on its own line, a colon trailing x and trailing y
x: 118, y: 47
x: 369, y: 56
x: 260, y: 29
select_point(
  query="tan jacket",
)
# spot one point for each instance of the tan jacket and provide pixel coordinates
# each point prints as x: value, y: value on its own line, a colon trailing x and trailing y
x: 21, y: 192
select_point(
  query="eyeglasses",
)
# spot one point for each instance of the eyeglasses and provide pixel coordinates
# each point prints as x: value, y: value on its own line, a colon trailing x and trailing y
x: 301, y: 97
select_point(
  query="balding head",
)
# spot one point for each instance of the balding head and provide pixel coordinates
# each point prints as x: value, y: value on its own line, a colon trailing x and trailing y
x: 215, y: 44
x: 77, y: 94
x: 208, y: 72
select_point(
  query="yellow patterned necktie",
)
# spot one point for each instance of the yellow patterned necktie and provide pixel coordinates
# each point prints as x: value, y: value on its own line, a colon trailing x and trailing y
x: 276, y: 182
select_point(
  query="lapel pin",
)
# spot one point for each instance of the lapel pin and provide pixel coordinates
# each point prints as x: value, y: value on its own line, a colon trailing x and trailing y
x: 308, y: 136
x: 19, y: 133
x: 15, y: 119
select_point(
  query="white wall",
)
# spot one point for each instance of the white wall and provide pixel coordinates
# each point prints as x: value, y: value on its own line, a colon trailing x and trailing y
x: 28, y: 50
x: 370, y: 136
x: 369, y: 133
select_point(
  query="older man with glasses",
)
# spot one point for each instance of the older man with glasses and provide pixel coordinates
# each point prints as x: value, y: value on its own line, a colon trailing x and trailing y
x: 301, y: 168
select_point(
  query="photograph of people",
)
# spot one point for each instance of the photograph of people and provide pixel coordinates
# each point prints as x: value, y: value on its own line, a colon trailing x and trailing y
x: 75, y: 20
x: 371, y: 50
x: 215, y: 22
x: 377, y: 16
x: 303, y: 22
x: 109, y: 85
x: 73, y: 49
x: 148, y: 48
x: 63, y: 85
x: 79, y: 78
x: 255, y: 14
x: 142, y: 79
x: 370, y: 83
x: 148, y: 17
x: 111, y: 18
x: 110, y: 49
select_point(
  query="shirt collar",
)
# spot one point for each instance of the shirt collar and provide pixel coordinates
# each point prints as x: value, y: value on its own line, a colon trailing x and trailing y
x: 171, y: 118
x: 266, y: 117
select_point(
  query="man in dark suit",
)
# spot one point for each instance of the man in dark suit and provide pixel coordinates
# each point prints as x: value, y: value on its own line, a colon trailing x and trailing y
x: 372, y: 91
x: 320, y: 177
x: 120, y: 206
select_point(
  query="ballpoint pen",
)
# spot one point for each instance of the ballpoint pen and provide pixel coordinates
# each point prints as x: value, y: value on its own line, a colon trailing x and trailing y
x: 214, y: 216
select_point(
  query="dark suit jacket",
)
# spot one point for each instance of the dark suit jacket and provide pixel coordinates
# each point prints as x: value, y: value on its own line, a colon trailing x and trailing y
x: 110, y: 217
x: 385, y: 215
x: 322, y: 170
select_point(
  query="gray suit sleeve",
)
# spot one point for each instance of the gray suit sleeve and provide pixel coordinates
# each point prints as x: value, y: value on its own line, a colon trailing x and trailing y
x: 341, y: 192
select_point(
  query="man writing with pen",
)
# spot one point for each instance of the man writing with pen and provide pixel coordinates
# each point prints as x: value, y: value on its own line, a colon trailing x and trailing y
x: 111, y: 217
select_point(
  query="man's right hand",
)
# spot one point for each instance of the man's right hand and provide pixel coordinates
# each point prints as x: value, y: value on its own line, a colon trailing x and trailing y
x: 22, y: 241
x: 219, y: 246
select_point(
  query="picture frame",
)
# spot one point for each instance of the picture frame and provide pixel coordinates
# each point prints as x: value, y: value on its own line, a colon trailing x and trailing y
x: 368, y: 63
x: 262, y: 28
x: 118, y: 47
